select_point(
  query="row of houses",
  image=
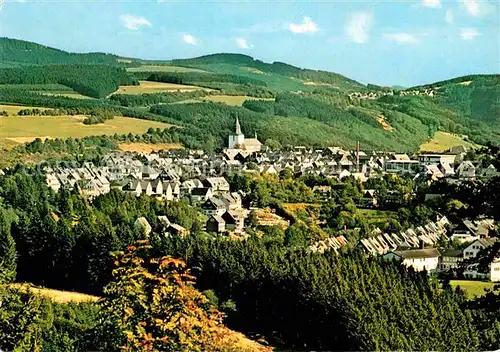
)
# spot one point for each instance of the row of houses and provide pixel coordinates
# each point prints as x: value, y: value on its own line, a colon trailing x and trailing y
x: 381, y: 243
x: 450, y: 260
x: 416, y: 248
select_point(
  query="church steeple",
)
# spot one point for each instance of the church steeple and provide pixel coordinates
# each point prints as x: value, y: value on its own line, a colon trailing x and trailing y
x: 238, y: 127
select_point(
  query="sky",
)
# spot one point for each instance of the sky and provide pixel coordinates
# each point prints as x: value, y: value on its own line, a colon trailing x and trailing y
x: 386, y: 42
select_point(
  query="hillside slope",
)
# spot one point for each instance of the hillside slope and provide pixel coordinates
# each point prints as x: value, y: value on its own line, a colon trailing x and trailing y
x: 15, y: 53
x: 308, y: 107
x: 248, y: 66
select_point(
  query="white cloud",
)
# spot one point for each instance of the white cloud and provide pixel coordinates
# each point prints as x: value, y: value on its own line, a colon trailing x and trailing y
x: 133, y: 22
x: 188, y: 38
x: 307, y: 26
x: 402, y: 38
x: 435, y: 4
x: 243, y: 43
x: 477, y: 8
x: 359, y: 26
x: 448, y: 16
x: 469, y: 33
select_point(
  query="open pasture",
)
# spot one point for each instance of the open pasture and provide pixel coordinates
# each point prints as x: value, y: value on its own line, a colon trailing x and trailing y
x: 233, y: 100
x: 472, y: 288
x: 164, y: 68
x: 13, y: 110
x: 17, y: 130
x: 55, y: 295
x: 443, y: 141
x: 147, y: 147
x: 156, y: 87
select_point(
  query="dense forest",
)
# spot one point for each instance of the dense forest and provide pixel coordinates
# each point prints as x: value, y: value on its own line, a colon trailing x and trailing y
x: 92, y: 80
x: 301, y: 114
x: 268, y: 285
x: 14, y: 53
x: 276, y: 68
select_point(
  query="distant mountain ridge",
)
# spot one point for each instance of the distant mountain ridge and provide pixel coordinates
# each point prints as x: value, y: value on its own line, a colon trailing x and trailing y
x: 278, y: 68
x: 15, y: 53
x: 302, y: 106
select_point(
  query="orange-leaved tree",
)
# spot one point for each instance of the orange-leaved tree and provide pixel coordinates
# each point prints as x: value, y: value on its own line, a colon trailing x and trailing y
x: 151, y: 305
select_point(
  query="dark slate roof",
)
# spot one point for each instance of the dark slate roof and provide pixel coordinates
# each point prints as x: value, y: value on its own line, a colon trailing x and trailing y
x: 452, y: 253
x: 418, y: 253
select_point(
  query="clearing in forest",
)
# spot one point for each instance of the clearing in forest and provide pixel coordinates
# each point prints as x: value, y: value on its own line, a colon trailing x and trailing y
x: 13, y: 110
x: 443, y: 141
x: 164, y: 68
x: 16, y: 130
x: 147, y: 147
x: 233, y: 100
x: 56, y: 295
x: 156, y: 87
x: 472, y: 288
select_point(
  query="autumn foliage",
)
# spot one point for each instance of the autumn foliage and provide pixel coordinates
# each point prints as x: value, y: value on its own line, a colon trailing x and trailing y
x: 152, y: 305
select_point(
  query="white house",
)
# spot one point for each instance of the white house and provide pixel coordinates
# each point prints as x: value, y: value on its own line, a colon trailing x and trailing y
x: 418, y: 259
x: 495, y: 270
x: 475, y: 247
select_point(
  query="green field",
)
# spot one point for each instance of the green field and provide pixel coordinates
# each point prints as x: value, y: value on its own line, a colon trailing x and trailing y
x: 443, y: 141
x: 472, y: 288
x: 163, y: 68
x: 73, y: 95
x: 53, y: 89
x: 147, y: 87
x: 377, y: 217
x: 12, y: 110
x: 233, y: 100
x: 17, y: 130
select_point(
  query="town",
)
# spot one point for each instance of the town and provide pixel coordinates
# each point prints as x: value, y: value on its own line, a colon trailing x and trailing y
x: 199, y: 177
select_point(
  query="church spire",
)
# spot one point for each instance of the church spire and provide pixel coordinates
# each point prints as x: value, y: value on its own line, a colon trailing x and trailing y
x: 238, y: 127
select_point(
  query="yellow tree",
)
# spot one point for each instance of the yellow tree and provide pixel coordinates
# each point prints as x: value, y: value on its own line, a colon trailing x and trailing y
x: 152, y: 305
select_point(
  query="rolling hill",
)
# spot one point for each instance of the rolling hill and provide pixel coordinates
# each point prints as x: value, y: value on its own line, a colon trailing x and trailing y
x: 293, y: 106
x: 15, y: 53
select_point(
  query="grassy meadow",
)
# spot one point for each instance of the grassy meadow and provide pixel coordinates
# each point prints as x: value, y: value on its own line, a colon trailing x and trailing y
x: 156, y: 87
x: 233, y: 100
x: 55, y: 295
x: 443, y: 141
x: 164, y: 68
x: 17, y: 130
x: 13, y: 110
x: 377, y: 218
x: 472, y: 288
x: 147, y: 148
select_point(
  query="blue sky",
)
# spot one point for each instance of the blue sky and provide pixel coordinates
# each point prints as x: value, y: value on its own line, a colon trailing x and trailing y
x: 382, y: 42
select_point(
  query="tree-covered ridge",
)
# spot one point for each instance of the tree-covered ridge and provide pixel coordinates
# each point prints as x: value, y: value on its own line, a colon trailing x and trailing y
x: 92, y: 80
x: 195, y: 78
x: 21, y: 53
x: 273, y: 287
x: 276, y: 68
x: 478, y: 79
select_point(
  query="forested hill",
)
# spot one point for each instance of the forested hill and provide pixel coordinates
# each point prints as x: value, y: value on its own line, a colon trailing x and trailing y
x: 241, y: 63
x: 15, y: 53
x: 474, y: 97
x: 294, y: 106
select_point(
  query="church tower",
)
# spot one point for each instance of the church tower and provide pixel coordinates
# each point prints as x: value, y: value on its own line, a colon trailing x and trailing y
x: 236, y: 140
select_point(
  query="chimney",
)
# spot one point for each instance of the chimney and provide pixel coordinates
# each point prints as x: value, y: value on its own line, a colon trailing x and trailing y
x: 357, y: 157
x: 421, y: 244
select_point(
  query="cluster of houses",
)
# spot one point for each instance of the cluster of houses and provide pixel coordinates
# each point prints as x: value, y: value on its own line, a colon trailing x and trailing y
x: 329, y: 244
x: 159, y: 174
x: 416, y: 248
x: 430, y: 92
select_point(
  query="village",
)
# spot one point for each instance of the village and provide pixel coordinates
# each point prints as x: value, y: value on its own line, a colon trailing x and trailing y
x: 199, y: 177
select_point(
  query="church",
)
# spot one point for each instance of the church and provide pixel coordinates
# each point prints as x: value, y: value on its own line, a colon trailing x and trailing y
x: 237, y: 141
